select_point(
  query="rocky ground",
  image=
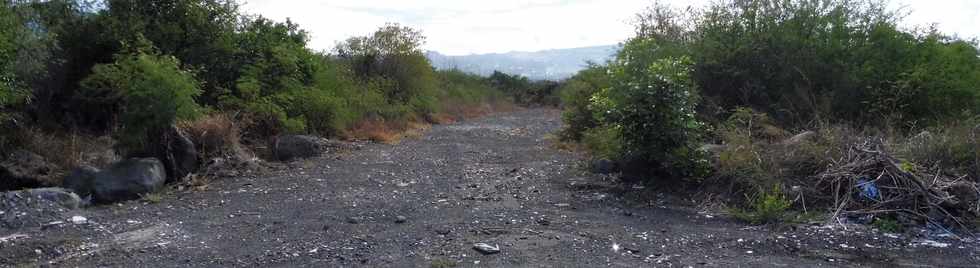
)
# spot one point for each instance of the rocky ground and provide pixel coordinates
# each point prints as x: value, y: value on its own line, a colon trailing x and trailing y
x: 425, y: 202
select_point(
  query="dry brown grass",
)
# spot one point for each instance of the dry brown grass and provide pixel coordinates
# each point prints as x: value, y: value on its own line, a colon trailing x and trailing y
x: 67, y: 150
x: 453, y: 111
x: 214, y: 135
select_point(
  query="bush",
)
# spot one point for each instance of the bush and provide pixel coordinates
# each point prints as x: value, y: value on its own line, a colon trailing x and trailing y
x: 11, y: 92
x: 148, y: 92
x: 954, y: 147
x: 652, y: 101
x: 576, y: 95
x: 769, y: 205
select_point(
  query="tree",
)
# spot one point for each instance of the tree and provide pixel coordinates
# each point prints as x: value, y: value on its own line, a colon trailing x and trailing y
x: 148, y: 91
x: 393, y: 53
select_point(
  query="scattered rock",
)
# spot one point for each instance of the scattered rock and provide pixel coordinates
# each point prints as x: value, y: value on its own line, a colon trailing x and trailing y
x: 128, y: 180
x: 355, y: 220
x: 78, y: 220
x: 23, y: 169
x: 400, y: 219
x: 290, y: 147
x: 26, y: 209
x: 544, y: 222
x: 443, y: 230
x: 60, y: 196
x: 486, y: 249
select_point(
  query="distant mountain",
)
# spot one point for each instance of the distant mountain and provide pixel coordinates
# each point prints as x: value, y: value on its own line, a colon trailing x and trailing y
x: 553, y: 64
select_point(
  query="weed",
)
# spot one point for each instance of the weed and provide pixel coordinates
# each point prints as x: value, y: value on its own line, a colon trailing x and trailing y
x: 887, y: 225
x: 443, y: 263
x: 768, y: 206
x: 152, y: 198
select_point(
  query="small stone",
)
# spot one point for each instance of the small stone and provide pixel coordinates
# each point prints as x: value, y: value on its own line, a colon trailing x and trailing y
x: 486, y: 248
x: 354, y: 220
x: 78, y: 220
x: 443, y: 230
x: 400, y: 219
x: 544, y: 222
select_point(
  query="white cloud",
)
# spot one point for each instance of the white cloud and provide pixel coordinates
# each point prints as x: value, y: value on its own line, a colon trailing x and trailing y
x: 479, y: 26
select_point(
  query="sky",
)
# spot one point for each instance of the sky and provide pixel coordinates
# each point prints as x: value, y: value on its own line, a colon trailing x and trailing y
x: 460, y: 27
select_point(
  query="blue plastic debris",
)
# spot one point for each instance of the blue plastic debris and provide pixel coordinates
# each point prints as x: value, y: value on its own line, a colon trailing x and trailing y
x: 868, y: 188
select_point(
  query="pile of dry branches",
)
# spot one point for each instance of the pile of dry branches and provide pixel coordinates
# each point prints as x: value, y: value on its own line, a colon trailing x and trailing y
x: 900, y: 188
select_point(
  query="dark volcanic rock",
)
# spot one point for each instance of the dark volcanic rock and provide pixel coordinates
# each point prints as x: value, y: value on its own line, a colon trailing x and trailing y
x: 81, y: 180
x: 23, y: 169
x: 603, y: 166
x: 291, y: 147
x: 128, y: 180
x: 178, y: 154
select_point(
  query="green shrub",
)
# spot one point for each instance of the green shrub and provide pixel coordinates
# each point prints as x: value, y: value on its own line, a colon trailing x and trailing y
x: 769, y: 205
x: 604, y: 142
x: 652, y: 102
x: 11, y: 92
x: 887, y: 225
x: 148, y: 92
x: 576, y: 95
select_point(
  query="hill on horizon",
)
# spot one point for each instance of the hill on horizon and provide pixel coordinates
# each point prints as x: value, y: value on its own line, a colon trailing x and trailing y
x: 553, y: 64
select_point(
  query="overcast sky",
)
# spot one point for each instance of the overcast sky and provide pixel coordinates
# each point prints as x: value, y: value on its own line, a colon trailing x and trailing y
x: 458, y: 27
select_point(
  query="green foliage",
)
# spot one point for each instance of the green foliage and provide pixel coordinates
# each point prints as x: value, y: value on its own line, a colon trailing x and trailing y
x: 652, y: 103
x: 887, y: 225
x: 10, y: 91
x: 525, y: 91
x: 769, y: 205
x: 805, y: 59
x: 604, y: 142
x: 150, y: 92
x: 392, y: 59
x: 576, y: 94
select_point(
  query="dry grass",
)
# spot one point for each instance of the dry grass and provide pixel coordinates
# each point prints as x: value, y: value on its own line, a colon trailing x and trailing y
x: 379, y: 130
x: 214, y: 135
x: 67, y: 150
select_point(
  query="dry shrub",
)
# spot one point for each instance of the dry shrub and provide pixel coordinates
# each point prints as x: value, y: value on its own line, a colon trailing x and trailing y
x: 378, y: 130
x: 954, y: 148
x: 215, y: 135
x: 453, y: 111
x: 67, y: 150
x: 931, y: 184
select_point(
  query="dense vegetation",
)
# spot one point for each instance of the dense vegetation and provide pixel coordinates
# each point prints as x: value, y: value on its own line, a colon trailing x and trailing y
x: 133, y: 68
x: 749, y: 73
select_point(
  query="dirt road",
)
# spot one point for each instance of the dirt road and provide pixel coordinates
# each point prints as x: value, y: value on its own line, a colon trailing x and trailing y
x: 495, y: 180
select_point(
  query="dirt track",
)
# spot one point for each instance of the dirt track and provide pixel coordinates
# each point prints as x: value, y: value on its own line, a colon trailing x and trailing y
x: 496, y: 180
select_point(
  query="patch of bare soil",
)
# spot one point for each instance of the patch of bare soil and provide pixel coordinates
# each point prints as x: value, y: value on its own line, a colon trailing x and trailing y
x: 426, y: 201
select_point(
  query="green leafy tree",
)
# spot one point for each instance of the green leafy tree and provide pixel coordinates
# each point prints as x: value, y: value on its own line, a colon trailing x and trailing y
x: 149, y: 92
x: 393, y: 53
x: 652, y: 102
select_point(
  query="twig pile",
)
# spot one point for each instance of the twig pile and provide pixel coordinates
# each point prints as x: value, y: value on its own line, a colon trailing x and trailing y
x: 901, y: 188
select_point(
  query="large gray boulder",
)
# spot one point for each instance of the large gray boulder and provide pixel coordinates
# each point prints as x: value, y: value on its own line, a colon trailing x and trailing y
x: 291, y: 147
x: 126, y: 180
x: 81, y: 180
x: 23, y: 169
